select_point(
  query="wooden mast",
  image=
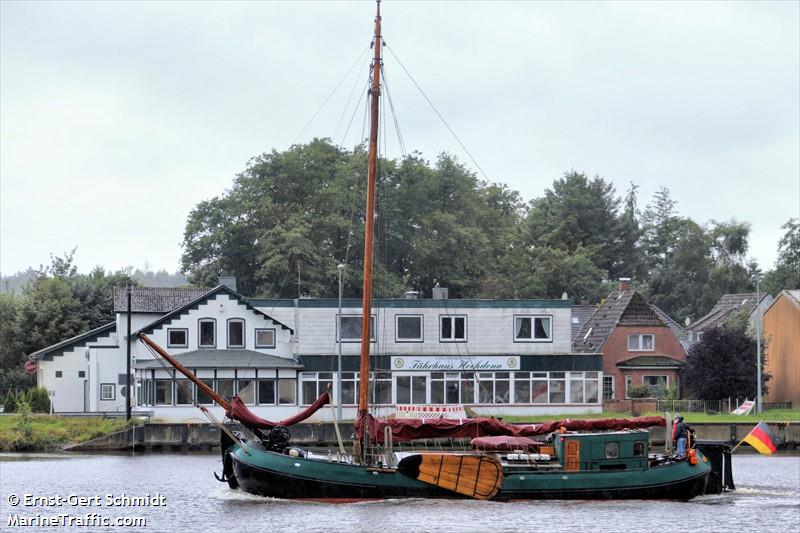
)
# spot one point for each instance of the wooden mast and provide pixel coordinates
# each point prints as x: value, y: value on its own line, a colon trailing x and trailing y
x: 372, y: 171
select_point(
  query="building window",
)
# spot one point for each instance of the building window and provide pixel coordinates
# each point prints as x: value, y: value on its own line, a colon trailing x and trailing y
x: 411, y: 389
x: 81, y: 373
x: 453, y: 328
x: 163, y: 392
x: 493, y: 387
x: 266, y: 391
x: 349, y: 387
x: 177, y: 338
x: 208, y: 333
x: 184, y: 392
x: 59, y: 373
x: 287, y: 391
x: 533, y: 328
x: 446, y: 387
x: 107, y: 391
x: 381, y: 383
x: 557, y: 386
x: 409, y: 328
x: 246, y: 389
x: 608, y: 387
x: 640, y: 343
x: 225, y: 388
x: 350, y: 330
x: 312, y: 384
x: 265, y: 338
x: 658, y: 385
x: 202, y: 397
x: 235, y: 333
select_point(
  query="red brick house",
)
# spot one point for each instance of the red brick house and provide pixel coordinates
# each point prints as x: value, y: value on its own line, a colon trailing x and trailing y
x: 640, y: 344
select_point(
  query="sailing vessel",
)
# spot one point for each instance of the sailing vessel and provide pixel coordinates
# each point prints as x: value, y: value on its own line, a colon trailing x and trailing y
x: 578, y: 460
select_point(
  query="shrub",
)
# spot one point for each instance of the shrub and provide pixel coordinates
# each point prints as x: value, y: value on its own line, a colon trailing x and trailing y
x: 10, y: 404
x: 640, y: 391
x: 39, y: 400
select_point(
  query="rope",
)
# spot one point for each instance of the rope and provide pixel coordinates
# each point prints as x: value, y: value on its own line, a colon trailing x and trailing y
x: 463, y: 147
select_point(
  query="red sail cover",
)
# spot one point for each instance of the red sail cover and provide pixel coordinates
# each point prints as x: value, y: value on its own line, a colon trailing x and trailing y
x: 239, y: 411
x: 409, y: 429
x: 505, y: 444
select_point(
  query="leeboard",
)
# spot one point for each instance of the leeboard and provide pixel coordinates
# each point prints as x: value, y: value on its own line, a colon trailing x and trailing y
x: 474, y: 476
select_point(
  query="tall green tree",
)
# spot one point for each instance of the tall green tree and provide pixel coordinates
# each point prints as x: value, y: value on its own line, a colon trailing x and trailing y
x: 786, y: 274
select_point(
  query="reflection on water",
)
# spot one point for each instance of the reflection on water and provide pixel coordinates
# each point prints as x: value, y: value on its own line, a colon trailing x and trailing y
x: 768, y: 493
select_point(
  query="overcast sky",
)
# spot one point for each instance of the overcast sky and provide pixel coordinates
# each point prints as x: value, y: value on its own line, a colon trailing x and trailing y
x: 117, y: 118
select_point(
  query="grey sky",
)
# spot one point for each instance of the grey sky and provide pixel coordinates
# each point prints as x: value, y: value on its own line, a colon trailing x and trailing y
x: 117, y: 118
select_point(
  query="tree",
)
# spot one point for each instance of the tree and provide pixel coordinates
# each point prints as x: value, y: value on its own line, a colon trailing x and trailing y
x: 39, y: 400
x: 578, y: 212
x: 722, y: 365
x: 786, y: 274
x: 660, y: 229
x: 10, y: 405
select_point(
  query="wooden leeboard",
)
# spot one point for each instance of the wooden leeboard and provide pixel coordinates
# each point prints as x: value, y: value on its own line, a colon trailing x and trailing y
x: 475, y: 476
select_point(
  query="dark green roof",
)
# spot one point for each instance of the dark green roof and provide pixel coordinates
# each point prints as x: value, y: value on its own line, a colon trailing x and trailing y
x: 417, y: 304
x: 219, y: 358
x: 651, y: 360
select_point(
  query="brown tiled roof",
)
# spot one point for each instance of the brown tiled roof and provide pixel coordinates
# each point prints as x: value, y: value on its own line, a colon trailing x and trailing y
x: 155, y: 299
x: 626, y: 308
x: 725, y: 308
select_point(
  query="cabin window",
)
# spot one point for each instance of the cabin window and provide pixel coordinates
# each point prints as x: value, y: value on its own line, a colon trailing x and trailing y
x: 207, y: 330
x: 107, y: 391
x: 184, y: 393
x: 235, y: 333
x: 163, y: 392
x: 246, y: 389
x: 612, y: 450
x: 533, y: 328
x: 453, y: 328
x: 350, y: 330
x: 265, y: 338
x: 640, y: 343
x: 557, y: 387
x: 312, y: 384
x: 638, y: 449
x: 266, y: 391
x: 381, y: 388
x: 202, y: 397
x: 608, y: 387
x: 177, y: 338
x: 411, y: 389
x: 287, y: 391
x: 409, y: 328
x: 349, y: 387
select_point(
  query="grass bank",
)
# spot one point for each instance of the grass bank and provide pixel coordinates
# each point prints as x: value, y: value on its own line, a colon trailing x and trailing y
x: 44, y: 433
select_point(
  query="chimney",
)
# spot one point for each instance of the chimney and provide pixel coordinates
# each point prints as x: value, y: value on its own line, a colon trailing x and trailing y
x: 439, y: 293
x: 411, y: 295
x: 228, y: 281
x: 624, y: 284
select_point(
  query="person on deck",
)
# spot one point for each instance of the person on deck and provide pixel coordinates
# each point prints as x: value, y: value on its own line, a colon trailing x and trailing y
x: 681, y: 434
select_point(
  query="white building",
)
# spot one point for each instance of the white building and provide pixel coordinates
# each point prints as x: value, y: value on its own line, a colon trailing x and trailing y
x: 497, y: 357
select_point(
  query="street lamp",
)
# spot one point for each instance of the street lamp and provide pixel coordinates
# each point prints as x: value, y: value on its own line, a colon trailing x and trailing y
x: 758, y: 347
x: 340, y: 267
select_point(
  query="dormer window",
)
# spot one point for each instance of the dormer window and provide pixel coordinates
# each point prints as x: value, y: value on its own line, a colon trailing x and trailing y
x: 208, y: 333
x: 235, y: 333
x: 641, y: 343
x: 533, y: 328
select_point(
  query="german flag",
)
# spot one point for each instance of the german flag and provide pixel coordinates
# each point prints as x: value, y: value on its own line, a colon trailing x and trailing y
x: 761, y: 438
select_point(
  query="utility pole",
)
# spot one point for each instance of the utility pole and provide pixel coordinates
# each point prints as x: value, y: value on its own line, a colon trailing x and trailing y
x: 129, y: 290
x: 758, y: 346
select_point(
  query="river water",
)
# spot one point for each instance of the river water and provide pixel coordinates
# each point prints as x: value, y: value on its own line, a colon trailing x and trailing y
x: 184, y: 496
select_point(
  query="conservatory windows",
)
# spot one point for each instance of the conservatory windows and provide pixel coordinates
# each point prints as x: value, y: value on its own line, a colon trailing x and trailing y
x: 287, y: 391
x: 312, y: 384
x: 533, y: 328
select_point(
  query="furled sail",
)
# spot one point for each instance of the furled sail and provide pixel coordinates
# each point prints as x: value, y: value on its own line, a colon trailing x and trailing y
x: 239, y: 411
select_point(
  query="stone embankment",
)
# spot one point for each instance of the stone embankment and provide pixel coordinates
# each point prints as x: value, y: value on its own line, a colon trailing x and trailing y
x: 205, y: 437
